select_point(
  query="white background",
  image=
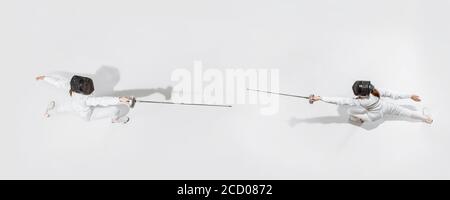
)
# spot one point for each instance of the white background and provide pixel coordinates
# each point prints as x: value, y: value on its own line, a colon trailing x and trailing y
x: 319, y: 46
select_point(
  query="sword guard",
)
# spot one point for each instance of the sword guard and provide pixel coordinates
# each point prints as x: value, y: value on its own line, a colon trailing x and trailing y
x: 133, y: 102
x: 311, y: 99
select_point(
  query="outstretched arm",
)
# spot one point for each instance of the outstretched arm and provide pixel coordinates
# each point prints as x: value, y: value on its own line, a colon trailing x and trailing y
x: 394, y: 95
x: 55, y: 80
x: 338, y: 100
x: 107, y: 101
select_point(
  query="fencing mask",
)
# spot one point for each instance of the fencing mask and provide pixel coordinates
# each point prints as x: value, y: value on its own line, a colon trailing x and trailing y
x: 81, y: 85
x: 362, y: 88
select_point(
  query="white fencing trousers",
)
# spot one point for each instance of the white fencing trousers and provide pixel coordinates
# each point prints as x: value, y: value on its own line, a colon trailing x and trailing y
x: 387, y: 109
x: 98, y: 112
x: 393, y: 109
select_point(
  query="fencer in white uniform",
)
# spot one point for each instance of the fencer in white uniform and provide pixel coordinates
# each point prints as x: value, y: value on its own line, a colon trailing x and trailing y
x: 88, y: 107
x: 368, y: 105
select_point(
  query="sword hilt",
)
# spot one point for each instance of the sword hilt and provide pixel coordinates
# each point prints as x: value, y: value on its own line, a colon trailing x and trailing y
x: 133, y: 102
x: 311, y: 100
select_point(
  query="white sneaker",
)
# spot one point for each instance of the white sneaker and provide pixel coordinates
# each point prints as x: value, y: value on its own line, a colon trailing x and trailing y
x: 122, y: 120
x: 50, y: 107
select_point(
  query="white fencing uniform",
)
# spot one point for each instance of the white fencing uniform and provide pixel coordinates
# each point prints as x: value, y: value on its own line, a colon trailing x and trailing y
x: 373, y: 108
x: 87, y: 107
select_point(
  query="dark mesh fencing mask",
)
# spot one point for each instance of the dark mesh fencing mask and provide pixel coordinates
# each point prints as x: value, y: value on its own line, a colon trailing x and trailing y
x: 362, y: 88
x: 81, y: 85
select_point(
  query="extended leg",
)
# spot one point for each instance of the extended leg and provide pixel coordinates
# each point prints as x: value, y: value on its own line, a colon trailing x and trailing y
x: 397, y: 110
x: 112, y: 112
x: 57, y: 107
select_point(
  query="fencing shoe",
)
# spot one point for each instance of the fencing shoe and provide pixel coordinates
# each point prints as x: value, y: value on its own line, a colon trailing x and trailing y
x: 122, y: 120
x: 426, y: 112
x: 50, y: 107
x: 355, y: 120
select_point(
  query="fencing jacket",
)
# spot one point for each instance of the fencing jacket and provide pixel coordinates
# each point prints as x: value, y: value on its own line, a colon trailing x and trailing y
x: 79, y: 103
